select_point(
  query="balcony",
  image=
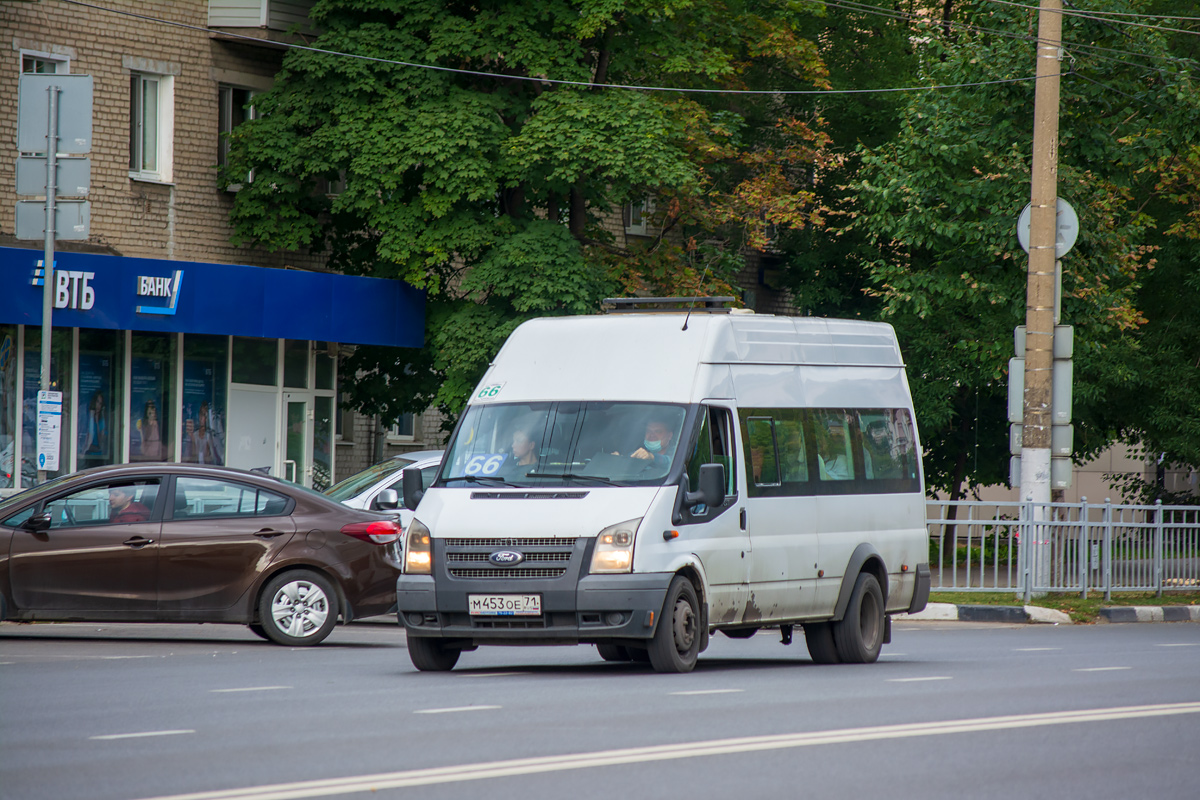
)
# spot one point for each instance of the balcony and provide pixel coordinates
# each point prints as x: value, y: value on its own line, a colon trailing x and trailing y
x: 270, y: 20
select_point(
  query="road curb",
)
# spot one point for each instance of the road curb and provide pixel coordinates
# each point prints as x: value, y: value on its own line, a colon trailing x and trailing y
x: 1009, y: 614
x: 949, y: 612
x: 1150, y: 614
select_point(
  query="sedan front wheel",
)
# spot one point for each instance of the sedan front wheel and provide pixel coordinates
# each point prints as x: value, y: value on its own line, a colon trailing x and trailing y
x: 298, y: 608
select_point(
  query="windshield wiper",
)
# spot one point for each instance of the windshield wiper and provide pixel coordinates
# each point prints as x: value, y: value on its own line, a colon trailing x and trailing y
x: 572, y: 476
x: 482, y: 479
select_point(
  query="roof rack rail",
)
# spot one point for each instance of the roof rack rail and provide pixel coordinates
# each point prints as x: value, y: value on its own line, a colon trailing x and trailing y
x: 664, y: 305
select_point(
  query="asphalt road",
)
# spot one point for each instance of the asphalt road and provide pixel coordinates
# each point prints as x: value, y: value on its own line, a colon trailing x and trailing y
x: 953, y: 710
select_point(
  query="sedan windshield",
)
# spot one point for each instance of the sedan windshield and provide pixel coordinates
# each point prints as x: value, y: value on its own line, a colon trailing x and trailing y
x: 357, y: 483
x: 564, y: 444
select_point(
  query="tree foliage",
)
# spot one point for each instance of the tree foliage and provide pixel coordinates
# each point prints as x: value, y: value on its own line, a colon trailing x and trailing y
x: 939, y: 202
x: 488, y: 190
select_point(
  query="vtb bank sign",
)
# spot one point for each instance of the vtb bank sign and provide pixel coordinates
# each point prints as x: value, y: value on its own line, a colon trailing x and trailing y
x: 73, y: 289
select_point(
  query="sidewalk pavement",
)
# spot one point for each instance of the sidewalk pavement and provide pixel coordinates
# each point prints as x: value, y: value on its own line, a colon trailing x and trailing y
x: 1037, y: 614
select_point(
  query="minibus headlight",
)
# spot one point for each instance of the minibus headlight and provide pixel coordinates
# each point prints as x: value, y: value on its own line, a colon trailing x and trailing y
x: 418, y: 554
x: 614, y: 547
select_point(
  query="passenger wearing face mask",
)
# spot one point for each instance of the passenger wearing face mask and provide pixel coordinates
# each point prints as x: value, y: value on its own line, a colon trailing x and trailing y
x: 656, y: 444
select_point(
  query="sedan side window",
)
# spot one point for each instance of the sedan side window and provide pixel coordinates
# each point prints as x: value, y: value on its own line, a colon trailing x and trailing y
x: 202, y: 498
x: 106, y: 504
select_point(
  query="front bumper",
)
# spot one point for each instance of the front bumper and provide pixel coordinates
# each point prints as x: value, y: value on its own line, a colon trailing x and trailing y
x: 587, y: 609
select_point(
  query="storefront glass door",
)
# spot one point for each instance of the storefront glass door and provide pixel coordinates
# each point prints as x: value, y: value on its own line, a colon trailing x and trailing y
x: 297, y: 437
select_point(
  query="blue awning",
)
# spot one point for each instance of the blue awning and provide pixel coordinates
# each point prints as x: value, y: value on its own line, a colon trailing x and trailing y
x: 146, y: 294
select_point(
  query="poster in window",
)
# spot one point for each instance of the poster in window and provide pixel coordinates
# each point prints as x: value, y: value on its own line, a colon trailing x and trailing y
x: 95, y: 394
x: 148, y: 439
x: 203, y: 415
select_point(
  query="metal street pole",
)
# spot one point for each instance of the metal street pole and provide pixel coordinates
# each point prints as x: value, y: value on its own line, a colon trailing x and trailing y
x: 48, y: 254
x: 1039, y: 302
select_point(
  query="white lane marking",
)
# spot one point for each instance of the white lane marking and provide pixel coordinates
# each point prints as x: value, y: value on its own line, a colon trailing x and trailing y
x: 1034, y: 649
x: 120, y: 658
x: 707, y: 691
x: 1100, y: 669
x: 1179, y: 644
x: 489, y: 674
x: 141, y: 735
x: 251, y: 689
x: 670, y: 752
x: 915, y: 680
x: 455, y: 710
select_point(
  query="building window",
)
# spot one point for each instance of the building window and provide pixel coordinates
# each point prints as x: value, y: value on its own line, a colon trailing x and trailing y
x: 44, y: 64
x: 151, y: 121
x: 235, y: 107
x: 636, y: 215
x: 404, y: 429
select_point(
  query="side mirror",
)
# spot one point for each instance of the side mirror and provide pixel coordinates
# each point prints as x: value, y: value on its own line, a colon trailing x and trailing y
x: 712, y: 487
x: 37, y: 523
x: 387, y: 500
x: 413, y: 490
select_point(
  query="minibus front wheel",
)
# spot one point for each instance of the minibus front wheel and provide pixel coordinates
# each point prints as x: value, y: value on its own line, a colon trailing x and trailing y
x: 432, y: 655
x: 676, y: 642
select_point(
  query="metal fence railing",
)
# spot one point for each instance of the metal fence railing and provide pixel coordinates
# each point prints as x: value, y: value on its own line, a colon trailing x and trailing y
x: 1026, y: 547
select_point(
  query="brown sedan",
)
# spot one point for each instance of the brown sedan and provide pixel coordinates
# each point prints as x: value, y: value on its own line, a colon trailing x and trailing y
x: 183, y: 543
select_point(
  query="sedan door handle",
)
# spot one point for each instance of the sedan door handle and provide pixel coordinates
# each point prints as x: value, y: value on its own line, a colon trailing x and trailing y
x: 138, y: 542
x: 267, y: 533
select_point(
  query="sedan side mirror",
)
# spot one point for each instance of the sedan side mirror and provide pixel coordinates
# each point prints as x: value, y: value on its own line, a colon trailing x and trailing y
x: 387, y: 500
x: 712, y: 487
x: 413, y: 488
x: 37, y: 523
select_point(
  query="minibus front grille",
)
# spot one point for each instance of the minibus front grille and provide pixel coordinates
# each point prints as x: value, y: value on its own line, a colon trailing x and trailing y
x: 506, y: 572
x: 460, y: 558
x: 566, y: 544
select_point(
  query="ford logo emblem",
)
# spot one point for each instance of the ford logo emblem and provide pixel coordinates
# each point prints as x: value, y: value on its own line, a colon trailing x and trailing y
x: 506, y: 558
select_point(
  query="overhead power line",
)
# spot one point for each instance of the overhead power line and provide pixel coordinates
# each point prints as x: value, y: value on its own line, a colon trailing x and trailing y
x: 546, y: 80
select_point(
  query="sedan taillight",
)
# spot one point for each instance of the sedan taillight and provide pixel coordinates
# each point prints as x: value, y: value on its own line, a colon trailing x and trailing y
x: 380, y: 531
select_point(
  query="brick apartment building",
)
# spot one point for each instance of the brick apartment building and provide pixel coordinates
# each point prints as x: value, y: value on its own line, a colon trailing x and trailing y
x: 232, y: 354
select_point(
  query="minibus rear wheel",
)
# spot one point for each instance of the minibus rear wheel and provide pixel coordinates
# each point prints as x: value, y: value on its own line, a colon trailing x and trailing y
x: 676, y: 643
x: 819, y: 638
x: 859, y: 634
x: 432, y: 655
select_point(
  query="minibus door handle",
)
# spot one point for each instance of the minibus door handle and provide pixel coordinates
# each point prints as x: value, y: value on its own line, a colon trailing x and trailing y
x: 742, y: 518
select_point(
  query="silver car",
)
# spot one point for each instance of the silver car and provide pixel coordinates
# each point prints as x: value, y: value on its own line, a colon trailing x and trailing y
x: 366, y: 489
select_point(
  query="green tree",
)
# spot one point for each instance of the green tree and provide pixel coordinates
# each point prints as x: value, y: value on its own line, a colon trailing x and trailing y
x: 488, y: 191
x: 939, y: 202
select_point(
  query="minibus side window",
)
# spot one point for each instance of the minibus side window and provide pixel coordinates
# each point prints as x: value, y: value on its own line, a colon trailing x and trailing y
x: 764, y: 460
x: 888, y: 446
x: 835, y: 456
x: 793, y: 454
x: 714, y: 445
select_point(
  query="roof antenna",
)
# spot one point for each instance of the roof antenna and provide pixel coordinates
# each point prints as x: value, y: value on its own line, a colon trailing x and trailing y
x: 702, y: 277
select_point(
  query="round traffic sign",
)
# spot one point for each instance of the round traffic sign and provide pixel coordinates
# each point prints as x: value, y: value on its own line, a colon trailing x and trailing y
x: 1067, y: 233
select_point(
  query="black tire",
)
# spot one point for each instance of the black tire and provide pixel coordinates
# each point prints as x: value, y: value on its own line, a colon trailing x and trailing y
x: 859, y: 634
x: 258, y: 630
x: 432, y: 655
x: 298, y: 608
x: 613, y: 652
x: 819, y: 638
x: 638, y: 655
x: 676, y: 642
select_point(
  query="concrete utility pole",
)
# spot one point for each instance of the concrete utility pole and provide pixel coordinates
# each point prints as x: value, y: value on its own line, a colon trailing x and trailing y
x: 1039, y: 298
x: 48, y: 250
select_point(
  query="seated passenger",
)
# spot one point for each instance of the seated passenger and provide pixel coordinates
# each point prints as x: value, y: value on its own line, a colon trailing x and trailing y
x: 831, y: 452
x: 123, y: 508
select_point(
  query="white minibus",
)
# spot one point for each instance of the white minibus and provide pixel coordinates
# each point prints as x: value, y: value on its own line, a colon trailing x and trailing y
x: 642, y: 480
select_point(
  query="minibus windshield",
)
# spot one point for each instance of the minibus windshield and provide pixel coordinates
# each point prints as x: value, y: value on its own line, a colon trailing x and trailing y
x: 564, y: 444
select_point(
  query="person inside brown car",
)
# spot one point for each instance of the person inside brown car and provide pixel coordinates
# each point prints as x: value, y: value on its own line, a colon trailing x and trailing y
x: 123, y: 508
